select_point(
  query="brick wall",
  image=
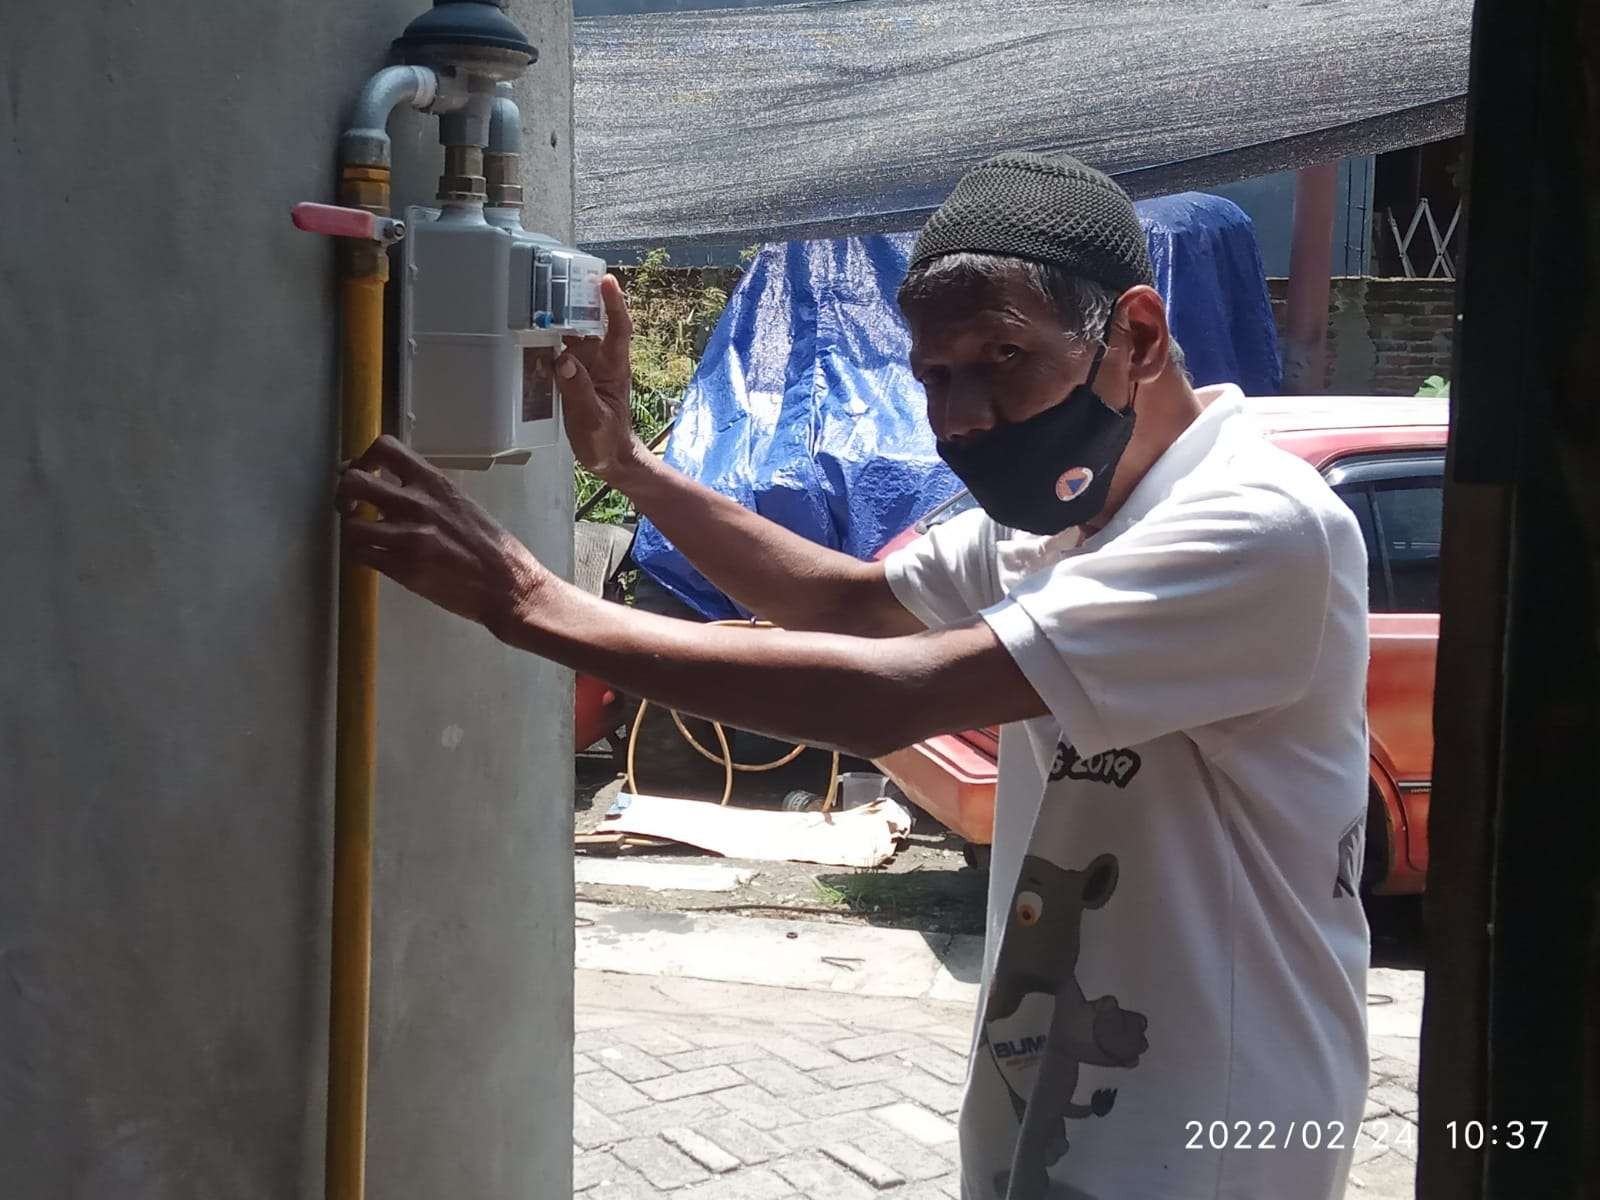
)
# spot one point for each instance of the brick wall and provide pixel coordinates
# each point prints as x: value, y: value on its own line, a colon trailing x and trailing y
x: 1385, y: 336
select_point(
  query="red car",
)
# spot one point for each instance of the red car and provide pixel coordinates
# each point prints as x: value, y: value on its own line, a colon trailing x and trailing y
x: 1385, y: 458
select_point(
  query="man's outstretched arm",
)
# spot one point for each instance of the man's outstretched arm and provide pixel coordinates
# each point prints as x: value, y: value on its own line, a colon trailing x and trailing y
x: 863, y: 695
x: 771, y: 571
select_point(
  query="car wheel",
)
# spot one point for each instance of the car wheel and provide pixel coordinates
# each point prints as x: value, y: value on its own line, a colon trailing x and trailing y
x: 1375, y: 855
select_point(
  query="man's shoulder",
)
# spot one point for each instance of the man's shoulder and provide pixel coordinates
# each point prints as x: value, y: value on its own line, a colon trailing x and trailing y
x: 1265, y: 482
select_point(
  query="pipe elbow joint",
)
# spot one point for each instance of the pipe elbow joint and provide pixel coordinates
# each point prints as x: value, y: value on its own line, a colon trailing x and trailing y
x: 505, y: 123
x: 366, y: 141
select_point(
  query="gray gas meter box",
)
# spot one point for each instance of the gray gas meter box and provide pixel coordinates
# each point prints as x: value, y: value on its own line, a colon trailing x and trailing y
x: 480, y: 305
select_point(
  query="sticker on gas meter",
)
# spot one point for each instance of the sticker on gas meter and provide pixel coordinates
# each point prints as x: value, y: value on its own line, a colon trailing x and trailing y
x: 1018, y: 1042
x: 538, y: 387
x: 584, y: 306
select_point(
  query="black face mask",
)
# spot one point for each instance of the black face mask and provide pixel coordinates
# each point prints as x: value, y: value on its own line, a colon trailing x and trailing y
x: 1053, y: 470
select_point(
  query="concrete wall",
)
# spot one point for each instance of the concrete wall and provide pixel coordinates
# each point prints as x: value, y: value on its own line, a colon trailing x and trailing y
x: 1385, y: 336
x: 167, y: 389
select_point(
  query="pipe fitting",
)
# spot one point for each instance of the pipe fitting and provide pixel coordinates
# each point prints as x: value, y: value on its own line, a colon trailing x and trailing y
x: 505, y: 123
x: 469, y: 124
x: 463, y: 180
x: 366, y: 141
x: 502, y: 160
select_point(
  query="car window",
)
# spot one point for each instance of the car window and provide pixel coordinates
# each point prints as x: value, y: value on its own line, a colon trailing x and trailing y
x: 1409, y: 514
x: 1359, y: 499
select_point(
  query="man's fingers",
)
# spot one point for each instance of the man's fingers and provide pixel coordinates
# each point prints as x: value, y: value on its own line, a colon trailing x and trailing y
x: 390, y: 454
x: 385, y: 535
x: 359, y: 486
x: 612, y: 349
x: 619, y: 325
x: 370, y: 556
x: 577, y: 386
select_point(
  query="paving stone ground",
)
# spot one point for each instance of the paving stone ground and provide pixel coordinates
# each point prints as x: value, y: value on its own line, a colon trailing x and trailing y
x: 695, y: 1090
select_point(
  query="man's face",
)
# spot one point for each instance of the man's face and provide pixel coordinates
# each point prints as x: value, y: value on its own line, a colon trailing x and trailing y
x: 990, y: 352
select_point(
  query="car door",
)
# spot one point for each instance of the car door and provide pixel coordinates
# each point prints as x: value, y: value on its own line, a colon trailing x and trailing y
x: 1398, y: 499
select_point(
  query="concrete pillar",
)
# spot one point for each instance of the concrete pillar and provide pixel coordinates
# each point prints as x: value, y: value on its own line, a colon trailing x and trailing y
x: 168, y: 343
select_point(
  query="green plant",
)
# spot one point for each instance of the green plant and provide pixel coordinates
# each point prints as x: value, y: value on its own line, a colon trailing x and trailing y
x: 871, y: 891
x: 1434, y: 385
x: 672, y: 318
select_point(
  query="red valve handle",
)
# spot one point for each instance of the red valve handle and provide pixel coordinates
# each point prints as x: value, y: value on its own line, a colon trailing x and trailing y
x: 334, y: 221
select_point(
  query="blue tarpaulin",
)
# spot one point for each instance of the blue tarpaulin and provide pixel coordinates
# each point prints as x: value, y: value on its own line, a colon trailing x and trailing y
x: 803, y: 407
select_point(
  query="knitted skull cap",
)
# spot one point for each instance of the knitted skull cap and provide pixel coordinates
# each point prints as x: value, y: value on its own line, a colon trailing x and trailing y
x: 1050, y: 210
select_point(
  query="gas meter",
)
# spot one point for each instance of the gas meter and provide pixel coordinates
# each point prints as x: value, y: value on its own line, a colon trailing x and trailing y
x: 481, y: 306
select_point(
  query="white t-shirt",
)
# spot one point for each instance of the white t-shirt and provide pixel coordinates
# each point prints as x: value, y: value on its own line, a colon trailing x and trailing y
x: 1174, y: 988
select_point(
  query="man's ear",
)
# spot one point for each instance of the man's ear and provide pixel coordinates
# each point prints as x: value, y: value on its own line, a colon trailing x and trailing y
x: 1144, y: 314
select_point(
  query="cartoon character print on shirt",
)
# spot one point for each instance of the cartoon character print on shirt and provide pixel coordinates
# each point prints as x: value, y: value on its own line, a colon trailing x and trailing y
x: 1037, y: 965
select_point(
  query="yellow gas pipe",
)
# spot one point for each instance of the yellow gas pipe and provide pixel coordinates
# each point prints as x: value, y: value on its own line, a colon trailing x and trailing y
x: 363, y: 272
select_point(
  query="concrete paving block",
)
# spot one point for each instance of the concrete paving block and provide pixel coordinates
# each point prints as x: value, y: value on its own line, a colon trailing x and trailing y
x: 879, y: 1174
x: 590, y: 1019
x: 653, y: 1039
x: 582, y: 1064
x: 755, y: 1106
x: 848, y: 1100
x: 868, y: 1070
x: 704, y: 1151
x: 873, y: 1045
x: 662, y: 1165
x: 631, y: 1063
x: 711, y: 1056
x: 955, y: 1037
x: 753, y: 1183
x: 594, y: 1167
x: 935, y: 1094
x: 1407, y: 1049
x: 793, y: 1048
x: 629, y: 1185
x: 723, y: 1033
x: 687, y: 1113
x: 592, y: 1041
x: 904, y: 1016
x: 1396, y: 1097
x: 739, y: 1138
x: 941, y: 1063
x: 916, y: 1122
x: 805, y: 1133
x: 778, y: 1078
x: 912, y: 1159
x: 1389, y: 1176
x: 818, y: 1177
x: 591, y: 1128
x: 609, y: 1094
x: 932, y: 1190
x: 690, y: 1083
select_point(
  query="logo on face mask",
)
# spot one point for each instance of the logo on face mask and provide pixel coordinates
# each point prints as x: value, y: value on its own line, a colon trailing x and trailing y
x: 1072, y: 482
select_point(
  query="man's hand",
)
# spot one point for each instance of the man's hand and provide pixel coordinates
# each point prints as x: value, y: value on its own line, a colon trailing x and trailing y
x: 595, y: 376
x: 433, y: 539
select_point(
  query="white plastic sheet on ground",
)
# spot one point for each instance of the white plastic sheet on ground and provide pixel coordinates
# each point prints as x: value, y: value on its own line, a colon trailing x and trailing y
x: 860, y: 837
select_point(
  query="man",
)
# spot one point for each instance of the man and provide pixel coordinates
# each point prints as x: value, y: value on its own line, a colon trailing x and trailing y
x: 1166, y: 613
